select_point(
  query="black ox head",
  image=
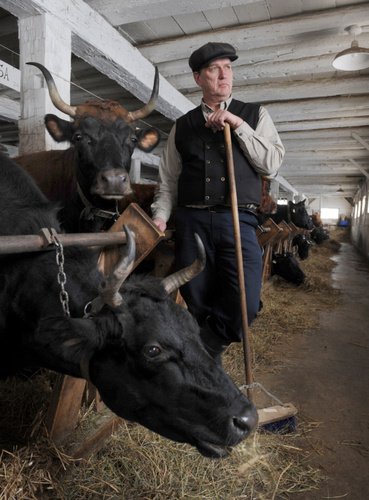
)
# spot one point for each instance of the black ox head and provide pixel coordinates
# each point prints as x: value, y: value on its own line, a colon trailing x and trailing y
x: 286, y: 266
x: 144, y: 354
x: 103, y: 138
x: 303, y: 245
x: 299, y: 215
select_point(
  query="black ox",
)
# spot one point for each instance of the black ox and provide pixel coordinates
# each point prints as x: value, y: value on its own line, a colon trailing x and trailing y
x: 293, y: 212
x: 140, y: 349
x: 90, y: 179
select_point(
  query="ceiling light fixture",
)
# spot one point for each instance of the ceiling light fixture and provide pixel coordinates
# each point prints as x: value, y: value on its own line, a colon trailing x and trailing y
x: 354, y: 58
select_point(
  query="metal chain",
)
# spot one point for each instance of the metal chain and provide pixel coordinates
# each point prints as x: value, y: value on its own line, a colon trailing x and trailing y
x: 62, y: 277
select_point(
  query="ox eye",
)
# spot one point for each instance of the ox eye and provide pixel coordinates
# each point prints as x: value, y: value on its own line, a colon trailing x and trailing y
x: 152, y: 351
x: 134, y: 138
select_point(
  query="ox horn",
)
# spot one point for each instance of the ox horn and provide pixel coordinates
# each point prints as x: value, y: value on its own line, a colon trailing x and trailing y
x: 175, y: 280
x: 53, y: 92
x: 109, y: 287
x: 131, y: 116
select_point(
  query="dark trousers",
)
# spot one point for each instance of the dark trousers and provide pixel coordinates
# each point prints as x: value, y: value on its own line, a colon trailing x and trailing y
x: 213, y: 296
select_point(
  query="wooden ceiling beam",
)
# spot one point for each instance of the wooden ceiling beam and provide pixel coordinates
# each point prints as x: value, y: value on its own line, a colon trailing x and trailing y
x: 144, y: 10
x: 360, y: 140
x: 295, y: 90
x: 359, y: 167
x: 269, y: 33
x: 97, y: 42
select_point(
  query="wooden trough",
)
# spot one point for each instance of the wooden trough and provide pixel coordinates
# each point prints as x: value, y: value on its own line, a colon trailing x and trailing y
x: 276, y: 238
x: 268, y: 234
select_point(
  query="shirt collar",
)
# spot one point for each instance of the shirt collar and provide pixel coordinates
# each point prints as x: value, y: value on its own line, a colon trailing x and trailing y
x: 207, y: 109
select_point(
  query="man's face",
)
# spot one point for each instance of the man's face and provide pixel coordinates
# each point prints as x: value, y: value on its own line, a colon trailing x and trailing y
x: 216, y: 80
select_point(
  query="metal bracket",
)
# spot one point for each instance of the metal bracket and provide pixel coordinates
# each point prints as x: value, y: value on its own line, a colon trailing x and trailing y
x: 47, y: 235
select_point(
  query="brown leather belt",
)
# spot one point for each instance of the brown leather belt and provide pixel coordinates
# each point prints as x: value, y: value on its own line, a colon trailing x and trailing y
x: 247, y: 207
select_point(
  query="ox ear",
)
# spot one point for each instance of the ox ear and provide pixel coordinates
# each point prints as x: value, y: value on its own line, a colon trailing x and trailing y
x: 65, y: 343
x: 147, y: 139
x: 59, y: 129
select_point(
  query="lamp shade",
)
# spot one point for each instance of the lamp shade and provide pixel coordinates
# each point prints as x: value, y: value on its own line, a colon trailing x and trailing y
x: 352, y: 59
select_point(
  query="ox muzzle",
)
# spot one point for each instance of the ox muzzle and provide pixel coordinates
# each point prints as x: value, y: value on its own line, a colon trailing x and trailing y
x: 112, y: 184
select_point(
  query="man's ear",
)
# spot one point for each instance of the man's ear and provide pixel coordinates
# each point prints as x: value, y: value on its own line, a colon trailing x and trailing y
x: 60, y: 130
x: 63, y: 343
x: 196, y: 76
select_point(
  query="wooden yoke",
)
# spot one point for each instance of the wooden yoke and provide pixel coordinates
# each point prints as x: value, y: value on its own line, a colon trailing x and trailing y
x: 283, y: 242
x: 63, y: 411
x: 294, y: 232
x: 147, y: 236
x: 267, y: 235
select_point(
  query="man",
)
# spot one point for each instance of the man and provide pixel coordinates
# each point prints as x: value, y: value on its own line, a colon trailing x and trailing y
x: 193, y: 175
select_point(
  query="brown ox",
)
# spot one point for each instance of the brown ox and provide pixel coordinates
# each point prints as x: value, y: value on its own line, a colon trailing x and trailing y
x: 317, y: 221
x: 90, y: 179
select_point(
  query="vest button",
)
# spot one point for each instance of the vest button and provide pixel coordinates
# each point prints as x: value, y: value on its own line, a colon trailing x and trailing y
x: 222, y: 179
x: 207, y: 197
x: 208, y: 162
x: 207, y: 146
x: 207, y: 179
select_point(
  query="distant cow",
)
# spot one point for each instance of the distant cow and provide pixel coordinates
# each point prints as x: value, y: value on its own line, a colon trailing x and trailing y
x: 90, y: 179
x: 140, y: 349
x: 286, y: 266
x: 293, y: 212
x: 319, y: 234
x: 303, y: 245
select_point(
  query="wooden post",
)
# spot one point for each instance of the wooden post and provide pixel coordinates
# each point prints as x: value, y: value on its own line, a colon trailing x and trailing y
x: 39, y: 37
x: 65, y: 403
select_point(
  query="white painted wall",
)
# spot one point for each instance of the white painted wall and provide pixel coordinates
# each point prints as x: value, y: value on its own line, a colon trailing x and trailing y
x: 343, y: 206
x: 360, y: 224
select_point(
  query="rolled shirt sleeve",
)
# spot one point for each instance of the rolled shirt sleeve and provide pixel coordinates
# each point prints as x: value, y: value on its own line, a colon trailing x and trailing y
x: 263, y: 146
x: 170, y: 168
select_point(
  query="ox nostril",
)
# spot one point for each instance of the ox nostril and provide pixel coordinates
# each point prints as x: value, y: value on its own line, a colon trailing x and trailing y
x: 246, y: 424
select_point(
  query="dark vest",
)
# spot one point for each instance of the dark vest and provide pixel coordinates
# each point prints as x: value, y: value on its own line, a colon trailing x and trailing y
x: 203, y: 180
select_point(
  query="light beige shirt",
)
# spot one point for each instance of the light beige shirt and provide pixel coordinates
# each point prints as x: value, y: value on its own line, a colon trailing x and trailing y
x: 262, y: 147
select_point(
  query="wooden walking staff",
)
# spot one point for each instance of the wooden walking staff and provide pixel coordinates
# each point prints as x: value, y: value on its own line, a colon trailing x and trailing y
x: 241, y: 277
x: 282, y: 416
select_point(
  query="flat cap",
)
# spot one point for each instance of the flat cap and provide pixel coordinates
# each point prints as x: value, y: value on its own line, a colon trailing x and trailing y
x: 209, y: 52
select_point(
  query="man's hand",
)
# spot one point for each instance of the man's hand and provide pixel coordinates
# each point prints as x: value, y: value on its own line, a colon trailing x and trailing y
x: 217, y: 120
x: 160, y: 223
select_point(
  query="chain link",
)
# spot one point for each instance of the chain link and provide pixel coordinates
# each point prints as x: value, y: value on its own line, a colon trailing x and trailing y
x: 62, y: 277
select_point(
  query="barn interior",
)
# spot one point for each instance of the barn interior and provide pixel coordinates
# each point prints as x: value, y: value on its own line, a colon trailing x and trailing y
x: 107, y: 49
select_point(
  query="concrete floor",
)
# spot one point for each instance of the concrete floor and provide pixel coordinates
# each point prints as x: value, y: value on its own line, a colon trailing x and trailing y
x: 325, y: 373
